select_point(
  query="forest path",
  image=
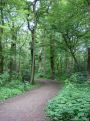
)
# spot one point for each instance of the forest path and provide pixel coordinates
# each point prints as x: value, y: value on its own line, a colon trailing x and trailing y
x: 29, y: 106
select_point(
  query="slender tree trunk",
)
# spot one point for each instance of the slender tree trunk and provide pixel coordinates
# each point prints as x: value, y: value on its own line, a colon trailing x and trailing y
x: 74, y: 57
x: 66, y: 63
x: 1, y: 35
x: 44, y: 54
x: 88, y: 63
x: 71, y: 51
x: 44, y: 61
x: 12, y: 59
x: 19, y: 64
x: 52, y: 58
x: 13, y: 53
x: 88, y: 6
x: 33, y: 31
x: 1, y: 57
x: 33, y: 56
x: 40, y: 61
x: 59, y: 67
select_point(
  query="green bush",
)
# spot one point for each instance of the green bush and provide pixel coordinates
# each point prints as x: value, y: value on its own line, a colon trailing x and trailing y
x: 72, y: 104
x: 15, y: 87
x: 4, y: 78
x: 7, y: 92
x: 78, y: 77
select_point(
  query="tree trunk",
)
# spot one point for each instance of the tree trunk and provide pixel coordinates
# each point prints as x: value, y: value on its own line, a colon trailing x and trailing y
x: 52, y: 58
x: 40, y: 68
x: 12, y: 66
x: 88, y: 63
x: 1, y: 57
x: 88, y: 6
x: 12, y: 59
x: 33, y: 30
x: 75, y: 60
x: 19, y: 64
x: 71, y: 51
x: 33, y: 56
x: 1, y: 35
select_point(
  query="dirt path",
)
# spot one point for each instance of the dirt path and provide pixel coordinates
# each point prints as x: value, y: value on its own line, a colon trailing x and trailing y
x: 29, y: 106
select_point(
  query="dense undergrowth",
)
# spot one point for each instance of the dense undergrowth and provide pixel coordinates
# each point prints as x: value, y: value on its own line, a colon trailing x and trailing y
x: 10, y: 88
x: 71, y: 104
x: 15, y: 87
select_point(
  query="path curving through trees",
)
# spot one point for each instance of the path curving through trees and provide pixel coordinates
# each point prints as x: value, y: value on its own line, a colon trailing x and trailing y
x: 29, y: 106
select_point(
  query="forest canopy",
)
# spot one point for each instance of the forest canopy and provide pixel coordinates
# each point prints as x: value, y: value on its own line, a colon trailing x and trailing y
x: 46, y: 40
x: 42, y: 38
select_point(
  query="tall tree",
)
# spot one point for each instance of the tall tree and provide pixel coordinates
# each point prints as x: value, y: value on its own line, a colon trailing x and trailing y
x: 88, y: 65
x: 88, y: 62
x: 52, y: 57
x: 2, y: 4
x: 88, y: 6
x: 32, y: 6
x: 13, y: 51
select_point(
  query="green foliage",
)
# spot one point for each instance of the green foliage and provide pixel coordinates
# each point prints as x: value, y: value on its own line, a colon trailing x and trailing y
x: 4, y: 78
x: 78, y: 77
x: 64, y: 24
x: 40, y: 74
x: 7, y: 92
x: 72, y: 104
x: 61, y: 35
x: 15, y: 87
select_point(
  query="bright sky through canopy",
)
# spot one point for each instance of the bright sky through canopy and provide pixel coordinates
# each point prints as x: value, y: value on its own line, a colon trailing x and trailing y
x: 31, y: 0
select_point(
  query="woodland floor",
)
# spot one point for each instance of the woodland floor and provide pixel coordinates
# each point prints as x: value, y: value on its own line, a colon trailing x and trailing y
x: 29, y: 106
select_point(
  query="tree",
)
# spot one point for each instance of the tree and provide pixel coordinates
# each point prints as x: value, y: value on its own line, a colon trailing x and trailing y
x: 2, y: 5
x: 88, y: 65
x: 44, y: 37
x: 32, y: 28
x: 88, y: 1
x: 88, y: 62
x: 13, y: 52
x: 52, y: 56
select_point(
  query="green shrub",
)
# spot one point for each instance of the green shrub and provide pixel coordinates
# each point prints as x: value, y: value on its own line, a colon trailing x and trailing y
x: 72, y: 104
x: 15, y: 87
x: 40, y: 74
x: 78, y: 77
x: 4, y: 78
x: 7, y: 92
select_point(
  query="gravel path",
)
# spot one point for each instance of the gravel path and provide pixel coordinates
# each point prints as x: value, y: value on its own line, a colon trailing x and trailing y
x: 29, y: 106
